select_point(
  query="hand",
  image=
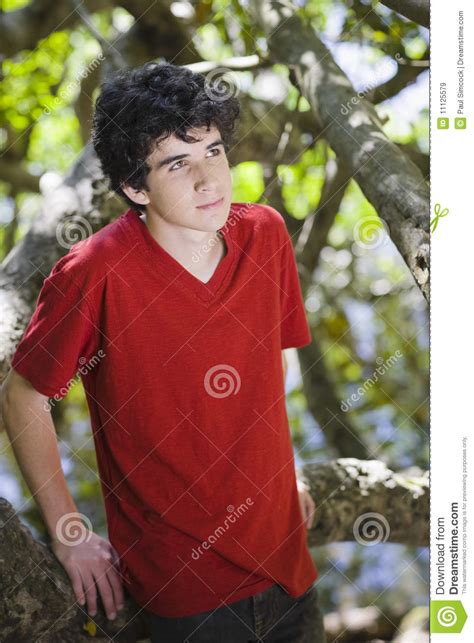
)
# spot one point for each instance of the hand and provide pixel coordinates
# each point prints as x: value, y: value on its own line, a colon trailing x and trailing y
x: 308, y: 508
x: 91, y: 562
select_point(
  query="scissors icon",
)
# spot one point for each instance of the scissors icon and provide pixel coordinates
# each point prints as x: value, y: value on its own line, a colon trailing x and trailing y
x: 439, y: 213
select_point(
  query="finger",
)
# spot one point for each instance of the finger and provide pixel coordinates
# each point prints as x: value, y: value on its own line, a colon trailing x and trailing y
x: 91, y: 591
x: 303, y: 507
x: 117, y: 587
x: 115, y: 578
x: 106, y: 593
x: 77, y: 587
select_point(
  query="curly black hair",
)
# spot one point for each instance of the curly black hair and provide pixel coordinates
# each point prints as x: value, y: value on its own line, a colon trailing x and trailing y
x: 138, y: 108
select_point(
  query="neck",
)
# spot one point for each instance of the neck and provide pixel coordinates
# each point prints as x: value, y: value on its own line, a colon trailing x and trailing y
x: 196, y: 250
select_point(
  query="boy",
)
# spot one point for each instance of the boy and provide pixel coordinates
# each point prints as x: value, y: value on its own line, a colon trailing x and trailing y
x: 189, y: 300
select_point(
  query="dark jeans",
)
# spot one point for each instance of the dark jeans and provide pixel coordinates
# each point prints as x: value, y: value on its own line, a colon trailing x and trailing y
x: 271, y: 615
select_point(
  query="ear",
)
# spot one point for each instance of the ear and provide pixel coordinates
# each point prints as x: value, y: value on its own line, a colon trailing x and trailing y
x: 138, y: 196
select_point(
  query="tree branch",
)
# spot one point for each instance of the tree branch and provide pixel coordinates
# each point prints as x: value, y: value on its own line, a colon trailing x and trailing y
x: 390, y: 181
x: 37, y: 596
x: 415, y: 10
x: 406, y: 76
x: 23, y: 28
x: 20, y: 179
x: 347, y: 489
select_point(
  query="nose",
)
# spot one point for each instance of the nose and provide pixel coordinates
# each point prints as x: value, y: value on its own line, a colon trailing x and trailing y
x: 205, y: 181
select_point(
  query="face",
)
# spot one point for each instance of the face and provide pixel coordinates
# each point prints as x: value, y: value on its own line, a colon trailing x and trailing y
x: 185, y: 176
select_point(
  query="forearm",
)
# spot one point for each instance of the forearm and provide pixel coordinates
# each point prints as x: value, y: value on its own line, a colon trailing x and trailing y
x: 285, y: 365
x: 31, y: 431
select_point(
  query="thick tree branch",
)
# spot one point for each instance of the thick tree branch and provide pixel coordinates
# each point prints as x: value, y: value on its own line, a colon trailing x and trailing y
x: 38, y: 601
x: 389, y: 180
x: 20, y: 179
x: 346, y: 490
x: 415, y: 10
x: 420, y: 158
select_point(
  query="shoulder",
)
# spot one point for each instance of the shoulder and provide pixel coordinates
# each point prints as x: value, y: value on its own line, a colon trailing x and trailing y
x: 259, y: 218
x: 89, y: 260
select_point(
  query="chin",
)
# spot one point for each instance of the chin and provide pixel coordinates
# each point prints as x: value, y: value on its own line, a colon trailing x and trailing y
x: 220, y: 223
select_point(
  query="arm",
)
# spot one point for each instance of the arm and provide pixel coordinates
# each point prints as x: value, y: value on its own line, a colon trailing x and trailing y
x: 307, y: 505
x: 285, y: 364
x: 33, y: 439
x: 32, y: 434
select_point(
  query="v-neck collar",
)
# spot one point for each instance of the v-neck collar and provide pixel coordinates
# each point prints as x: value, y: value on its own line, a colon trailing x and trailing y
x: 168, y: 265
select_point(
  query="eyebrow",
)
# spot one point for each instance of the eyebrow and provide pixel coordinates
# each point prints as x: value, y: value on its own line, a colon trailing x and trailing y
x: 172, y: 159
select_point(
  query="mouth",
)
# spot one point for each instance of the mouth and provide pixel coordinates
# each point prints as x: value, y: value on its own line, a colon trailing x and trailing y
x: 209, y: 206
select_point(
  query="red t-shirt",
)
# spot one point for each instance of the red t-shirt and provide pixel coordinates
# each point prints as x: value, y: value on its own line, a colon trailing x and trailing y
x: 184, y: 384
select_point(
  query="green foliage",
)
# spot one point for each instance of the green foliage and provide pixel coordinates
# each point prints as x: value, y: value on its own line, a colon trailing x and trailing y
x: 29, y: 84
x: 12, y: 5
x: 247, y: 181
x: 301, y: 182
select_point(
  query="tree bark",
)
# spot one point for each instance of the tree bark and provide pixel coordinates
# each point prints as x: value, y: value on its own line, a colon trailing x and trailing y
x: 37, y: 596
x: 364, y: 500
x: 415, y: 10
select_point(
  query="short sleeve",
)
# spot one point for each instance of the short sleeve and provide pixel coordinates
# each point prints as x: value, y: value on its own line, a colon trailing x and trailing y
x: 295, y: 331
x: 59, y: 338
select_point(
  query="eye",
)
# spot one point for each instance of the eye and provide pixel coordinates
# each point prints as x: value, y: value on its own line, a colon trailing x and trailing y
x: 173, y: 167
